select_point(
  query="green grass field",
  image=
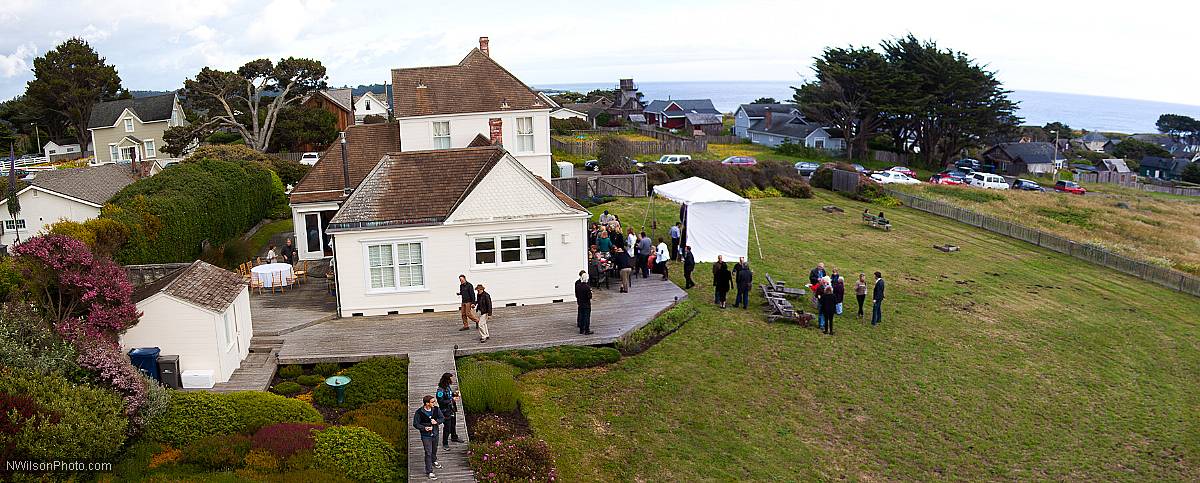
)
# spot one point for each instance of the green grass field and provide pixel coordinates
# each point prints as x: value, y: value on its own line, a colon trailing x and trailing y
x: 999, y: 362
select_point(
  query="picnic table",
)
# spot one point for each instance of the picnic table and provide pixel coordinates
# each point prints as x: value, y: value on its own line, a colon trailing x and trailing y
x: 781, y: 287
x: 780, y: 308
x: 877, y: 222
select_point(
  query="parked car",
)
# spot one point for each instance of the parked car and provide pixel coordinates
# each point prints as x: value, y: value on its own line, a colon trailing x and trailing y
x: 988, y: 181
x: 903, y: 170
x: 309, y: 158
x: 805, y: 168
x: 739, y: 161
x: 859, y: 168
x: 894, y: 177
x: 1069, y: 187
x: 673, y: 159
x: 592, y: 165
x: 974, y: 164
x: 949, y: 176
x: 1027, y: 185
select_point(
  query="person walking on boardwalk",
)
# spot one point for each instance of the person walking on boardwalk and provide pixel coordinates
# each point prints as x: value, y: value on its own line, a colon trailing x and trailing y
x: 483, y: 305
x: 877, y: 297
x: 583, y: 297
x: 743, y: 278
x: 860, y: 293
x: 467, y: 292
x: 689, y: 265
x: 426, y: 419
x: 645, y: 248
x: 447, y: 401
x: 828, y: 309
x: 721, y: 280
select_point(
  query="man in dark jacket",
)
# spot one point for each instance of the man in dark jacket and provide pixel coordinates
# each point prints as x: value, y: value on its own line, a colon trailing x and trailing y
x: 645, y: 248
x: 583, y: 296
x: 743, y: 277
x: 689, y: 264
x: 483, y: 304
x: 816, y: 273
x: 467, y: 292
x: 289, y: 253
x: 426, y: 419
x: 877, y: 296
x: 624, y: 265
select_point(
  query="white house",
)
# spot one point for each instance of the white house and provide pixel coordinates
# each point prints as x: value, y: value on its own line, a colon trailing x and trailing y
x: 567, y: 113
x: 421, y: 218
x: 62, y: 149
x: 747, y: 114
x: 775, y: 129
x: 63, y: 194
x: 200, y: 313
x: 370, y: 104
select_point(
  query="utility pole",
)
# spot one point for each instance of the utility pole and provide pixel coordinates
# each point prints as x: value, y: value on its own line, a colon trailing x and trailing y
x: 38, y: 134
x: 1055, y: 160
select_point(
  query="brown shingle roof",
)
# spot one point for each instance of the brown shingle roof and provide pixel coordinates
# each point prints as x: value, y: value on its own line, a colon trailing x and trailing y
x: 560, y: 195
x: 476, y: 84
x: 95, y: 185
x: 200, y: 283
x: 479, y: 141
x: 416, y: 187
x: 365, y: 143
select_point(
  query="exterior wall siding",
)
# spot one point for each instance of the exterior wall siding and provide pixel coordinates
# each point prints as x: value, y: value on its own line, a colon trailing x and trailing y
x: 40, y: 209
x: 417, y: 134
x: 196, y: 335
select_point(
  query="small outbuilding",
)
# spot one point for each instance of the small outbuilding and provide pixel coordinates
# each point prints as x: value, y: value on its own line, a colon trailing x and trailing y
x: 716, y: 221
x: 200, y: 313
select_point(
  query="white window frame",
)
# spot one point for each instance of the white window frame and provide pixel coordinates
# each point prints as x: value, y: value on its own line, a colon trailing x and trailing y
x: 129, y: 124
x: 230, y: 324
x: 524, y: 137
x: 437, y: 137
x: 114, y: 152
x: 11, y: 224
x: 148, y: 146
x: 395, y: 266
x: 522, y: 248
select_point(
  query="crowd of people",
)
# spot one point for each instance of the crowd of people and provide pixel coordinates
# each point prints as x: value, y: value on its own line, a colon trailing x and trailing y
x: 627, y: 253
x: 829, y: 292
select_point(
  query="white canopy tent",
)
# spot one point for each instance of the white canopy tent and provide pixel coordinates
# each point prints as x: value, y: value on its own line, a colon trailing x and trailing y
x: 718, y: 221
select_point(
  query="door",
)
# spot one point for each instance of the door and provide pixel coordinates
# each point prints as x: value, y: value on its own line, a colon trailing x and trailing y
x: 129, y: 153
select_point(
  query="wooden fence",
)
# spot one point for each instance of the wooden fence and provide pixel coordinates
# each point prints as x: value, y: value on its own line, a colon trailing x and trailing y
x: 623, y: 185
x: 845, y: 181
x: 725, y: 140
x: 1131, y: 180
x: 1166, y: 277
x: 288, y: 156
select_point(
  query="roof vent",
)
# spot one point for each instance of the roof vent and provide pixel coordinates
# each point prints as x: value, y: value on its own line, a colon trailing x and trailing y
x: 504, y: 104
x: 421, y: 84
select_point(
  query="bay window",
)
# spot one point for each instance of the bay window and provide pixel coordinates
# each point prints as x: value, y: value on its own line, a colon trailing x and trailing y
x: 524, y: 134
x: 514, y: 249
x: 441, y: 135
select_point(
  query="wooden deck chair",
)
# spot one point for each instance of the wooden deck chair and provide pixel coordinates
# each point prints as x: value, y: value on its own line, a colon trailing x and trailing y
x: 277, y: 282
x: 301, y: 275
x: 256, y: 284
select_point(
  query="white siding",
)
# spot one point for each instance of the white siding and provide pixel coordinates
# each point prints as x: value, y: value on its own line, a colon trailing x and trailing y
x: 768, y: 139
x: 40, y: 209
x: 417, y: 133
x: 196, y: 335
x: 507, y: 193
x: 376, y: 108
x: 567, y: 114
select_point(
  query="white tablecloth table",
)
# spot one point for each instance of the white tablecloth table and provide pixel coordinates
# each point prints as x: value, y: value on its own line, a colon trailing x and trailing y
x: 266, y: 273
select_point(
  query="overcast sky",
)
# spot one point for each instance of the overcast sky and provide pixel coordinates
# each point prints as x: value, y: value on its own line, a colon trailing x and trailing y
x: 1139, y: 50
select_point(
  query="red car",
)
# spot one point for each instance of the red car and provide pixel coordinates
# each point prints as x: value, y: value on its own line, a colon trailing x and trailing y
x: 903, y: 170
x: 949, y: 176
x: 1069, y: 187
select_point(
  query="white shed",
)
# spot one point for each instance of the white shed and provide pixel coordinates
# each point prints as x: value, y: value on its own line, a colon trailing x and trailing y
x: 716, y: 221
x: 200, y: 313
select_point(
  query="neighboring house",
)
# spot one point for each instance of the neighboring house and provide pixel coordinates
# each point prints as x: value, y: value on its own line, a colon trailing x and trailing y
x: 592, y: 109
x: 1015, y: 159
x: 62, y: 150
x: 132, y: 129
x: 340, y: 102
x: 747, y: 114
x: 445, y: 107
x: 628, y: 101
x: 200, y: 313
x: 702, y: 123
x: 1114, y: 165
x: 1093, y: 141
x: 1176, y: 148
x: 1169, y: 169
x: 63, y: 194
x: 672, y: 114
x: 370, y: 104
x: 567, y: 113
x: 775, y: 129
x: 421, y: 218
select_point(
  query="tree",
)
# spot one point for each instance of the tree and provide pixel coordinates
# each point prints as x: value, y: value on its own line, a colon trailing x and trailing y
x: 850, y: 93
x: 612, y: 154
x: 1179, y: 127
x: 766, y: 100
x: 251, y: 99
x: 1064, y: 131
x: 610, y: 94
x: 12, y: 200
x: 23, y: 114
x: 1135, y: 149
x: 69, y: 80
x: 1191, y: 173
x: 568, y: 97
x: 305, y: 126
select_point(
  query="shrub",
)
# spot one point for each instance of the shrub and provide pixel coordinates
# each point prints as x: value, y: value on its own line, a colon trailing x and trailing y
x: 395, y: 431
x: 218, y: 451
x: 868, y: 190
x: 27, y: 343
x: 141, y: 455
x: 663, y: 325
x: 800, y: 150
x: 291, y: 371
x: 822, y: 177
x: 488, y: 386
x: 355, y: 452
x: 370, y: 380
x: 285, y: 439
x: 302, y: 460
x: 287, y: 388
x: 193, y: 415
x: 289, y: 171
x: 158, y: 402
x: 490, y: 428
x: 794, y: 187
x: 392, y: 408
x: 571, y: 357
x: 309, y: 380
x: 565, y: 126
x: 326, y: 369
x: 517, y: 459
x: 82, y: 421
x: 613, y: 153
x: 103, y: 236
x: 374, y: 119
x: 261, y: 460
x: 886, y: 201
x: 755, y: 193
x: 963, y: 193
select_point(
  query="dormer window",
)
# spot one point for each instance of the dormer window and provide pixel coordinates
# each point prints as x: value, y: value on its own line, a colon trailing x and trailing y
x: 368, y: 104
x: 128, y: 125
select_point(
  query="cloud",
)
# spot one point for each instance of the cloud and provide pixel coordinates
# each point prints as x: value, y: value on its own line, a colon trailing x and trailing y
x: 17, y: 62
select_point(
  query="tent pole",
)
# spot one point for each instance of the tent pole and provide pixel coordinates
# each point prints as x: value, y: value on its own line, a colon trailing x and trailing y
x: 647, y: 217
x: 755, y: 225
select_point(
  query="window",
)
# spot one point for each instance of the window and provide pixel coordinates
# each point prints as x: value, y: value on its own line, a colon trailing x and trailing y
x: 485, y: 250
x: 128, y: 125
x: 113, y: 152
x: 229, y: 328
x: 441, y: 135
x: 149, y: 148
x: 14, y: 224
x: 524, y: 134
x: 368, y: 104
x: 535, y: 247
x: 512, y: 249
x: 819, y: 143
x: 395, y: 265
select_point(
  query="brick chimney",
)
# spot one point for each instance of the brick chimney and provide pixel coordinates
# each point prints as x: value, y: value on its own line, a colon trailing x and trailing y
x: 767, y: 117
x: 483, y: 46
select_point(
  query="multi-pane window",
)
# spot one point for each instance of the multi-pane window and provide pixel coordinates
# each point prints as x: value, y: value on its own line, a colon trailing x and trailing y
x: 524, y: 134
x: 18, y: 224
x: 395, y: 265
x: 114, y: 152
x: 485, y: 251
x: 149, y: 148
x: 441, y: 135
x: 535, y: 247
x: 128, y: 125
x: 510, y: 249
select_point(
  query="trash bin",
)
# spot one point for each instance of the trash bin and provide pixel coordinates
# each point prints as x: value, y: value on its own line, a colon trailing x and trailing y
x: 146, y: 360
x: 168, y: 371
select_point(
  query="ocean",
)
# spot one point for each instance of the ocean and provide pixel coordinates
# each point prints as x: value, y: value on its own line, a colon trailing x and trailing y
x: 1093, y: 113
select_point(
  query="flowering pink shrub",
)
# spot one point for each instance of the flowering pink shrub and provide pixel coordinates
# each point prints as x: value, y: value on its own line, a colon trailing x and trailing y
x: 519, y: 458
x: 111, y: 365
x: 286, y: 439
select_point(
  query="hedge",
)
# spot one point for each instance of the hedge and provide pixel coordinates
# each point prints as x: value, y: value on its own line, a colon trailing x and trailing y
x: 64, y: 419
x: 194, y: 415
x: 371, y: 380
x: 571, y: 357
x: 356, y: 452
x: 172, y: 214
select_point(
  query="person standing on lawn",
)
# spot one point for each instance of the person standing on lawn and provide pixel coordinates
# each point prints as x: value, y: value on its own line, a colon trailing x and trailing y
x: 839, y: 289
x: 467, y: 292
x: 744, y: 278
x: 860, y: 293
x: 675, y: 232
x: 583, y: 297
x: 877, y: 297
x: 689, y: 265
x: 447, y: 401
x: 828, y: 309
x: 662, y: 257
x: 426, y: 419
x: 816, y: 274
x: 483, y: 305
x: 721, y: 280
x: 645, y: 248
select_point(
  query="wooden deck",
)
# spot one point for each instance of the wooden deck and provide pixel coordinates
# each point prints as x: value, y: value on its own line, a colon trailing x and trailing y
x: 301, y: 306
x: 424, y: 371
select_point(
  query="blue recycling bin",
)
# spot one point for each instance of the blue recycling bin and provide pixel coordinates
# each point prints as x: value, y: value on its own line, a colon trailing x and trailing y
x: 146, y: 360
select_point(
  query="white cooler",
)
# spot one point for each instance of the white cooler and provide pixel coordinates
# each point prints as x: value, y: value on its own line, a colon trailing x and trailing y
x: 198, y: 379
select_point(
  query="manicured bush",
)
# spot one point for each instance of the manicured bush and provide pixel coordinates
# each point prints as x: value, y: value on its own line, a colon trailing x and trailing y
x: 371, y: 380
x: 193, y: 415
x: 794, y: 187
x: 287, y: 388
x: 395, y: 431
x: 286, y: 439
x: 79, y: 420
x: 356, y: 452
x: 326, y: 369
x: 670, y: 321
x: 517, y: 459
x: 310, y: 380
x: 217, y: 452
x: 393, y: 408
x: 490, y: 428
x: 261, y: 460
x: 291, y: 371
x: 572, y: 357
x: 488, y: 386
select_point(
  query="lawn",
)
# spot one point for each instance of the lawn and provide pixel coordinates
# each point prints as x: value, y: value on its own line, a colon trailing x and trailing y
x: 1152, y: 228
x: 998, y: 362
x: 590, y: 136
x: 257, y: 243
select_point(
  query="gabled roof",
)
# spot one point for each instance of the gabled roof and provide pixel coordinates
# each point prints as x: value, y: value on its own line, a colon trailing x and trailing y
x: 95, y: 185
x: 148, y: 109
x: 760, y: 110
x: 687, y: 105
x: 365, y: 145
x: 476, y: 84
x: 700, y: 118
x: 1029, y: 153
x: 200, y: 283
x: 479, y: 141
x: 343, y: 98
x: 378, y: 96
x: 1093, y: 137
x: 1170, y: 165
x: 64, y: 142
x: 786, y: 125
x: 1117, y: 165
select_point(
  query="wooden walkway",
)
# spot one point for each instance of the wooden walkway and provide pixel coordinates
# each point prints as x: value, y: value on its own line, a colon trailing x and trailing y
x: 424, y: 371
x: 254, y: 374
